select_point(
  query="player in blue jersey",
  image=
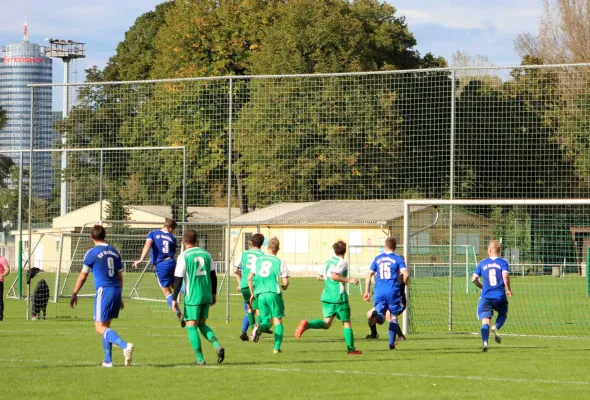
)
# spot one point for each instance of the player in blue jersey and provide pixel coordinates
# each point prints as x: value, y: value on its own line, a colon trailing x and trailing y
x: 372, y: 314
x: 162, y: 245
x: 386, y: 268
x: 105, y: 263
x: 496, y: 286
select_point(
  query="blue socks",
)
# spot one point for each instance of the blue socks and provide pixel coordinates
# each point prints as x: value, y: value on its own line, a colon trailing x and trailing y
x: 169, y: 301
x: 501, y: 320
x: 485, y: 332
x: 245, y: 324
x: 380, y: 319
x: 108, y: 350
x: 392, y: 332
x: 111, y: 336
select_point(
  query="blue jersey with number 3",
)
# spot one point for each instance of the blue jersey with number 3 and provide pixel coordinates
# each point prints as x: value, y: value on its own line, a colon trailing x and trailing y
x: 490, y: 270
x: 105, y: 263
x: 386, y: 267
x: 163, y: 246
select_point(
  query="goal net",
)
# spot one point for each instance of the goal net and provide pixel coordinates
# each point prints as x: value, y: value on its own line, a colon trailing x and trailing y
x: 545, y: 242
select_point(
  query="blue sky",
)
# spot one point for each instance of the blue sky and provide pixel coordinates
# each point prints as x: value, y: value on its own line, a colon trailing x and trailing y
x: 476, y: 26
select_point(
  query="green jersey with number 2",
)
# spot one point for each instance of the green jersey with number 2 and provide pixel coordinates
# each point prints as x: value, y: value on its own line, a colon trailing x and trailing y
x: 194, y: 265
x: 334, y: 292
x: 248, y: 264
x: 269, y: 269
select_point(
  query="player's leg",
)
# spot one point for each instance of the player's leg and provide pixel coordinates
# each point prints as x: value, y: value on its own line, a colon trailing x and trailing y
x: 107, y: 304
x: 278, y: 335
x: 328, y: 311
x: 372, y: 322
x: 245, y: 324
x: 501, y: 306
x: 165, y: 275
x: 484, y: 313
x: 249, y: 309
x: 190, y: 315
x: 343, y: 314
x: 264, y: 320
x: 277, y: 309
x: 1, y: 301
x: 208, y: 333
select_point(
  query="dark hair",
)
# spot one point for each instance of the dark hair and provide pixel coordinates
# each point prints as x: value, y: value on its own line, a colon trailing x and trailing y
x: 170, y: 223
x: 98, y: 232
x: 339, y: 248
x: 274, y: 245
x: 190, y: 237
x: 391, y: 243
x: 257, y: 240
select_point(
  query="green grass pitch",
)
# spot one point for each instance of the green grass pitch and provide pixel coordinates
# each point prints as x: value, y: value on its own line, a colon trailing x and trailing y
x: 59, y: 358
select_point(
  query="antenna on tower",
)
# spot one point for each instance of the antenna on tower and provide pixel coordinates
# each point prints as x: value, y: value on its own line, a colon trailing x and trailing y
x: 25, y: 27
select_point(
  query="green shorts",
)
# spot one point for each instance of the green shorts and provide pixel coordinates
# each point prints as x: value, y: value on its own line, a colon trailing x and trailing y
x: 195, y: 313
x: 271, y: 306
x: 339, y: 310
x: 246, y: 295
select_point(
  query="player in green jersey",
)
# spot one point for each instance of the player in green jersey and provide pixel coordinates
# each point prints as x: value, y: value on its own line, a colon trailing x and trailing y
x: 263, y: 282
x: 247, y: 263
x: 334, y: 298
x: 200, y: 290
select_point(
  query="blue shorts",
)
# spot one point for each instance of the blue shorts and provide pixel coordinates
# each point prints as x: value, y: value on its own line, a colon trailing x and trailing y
x: 486, y: 307
x: 165, y: 272
x: 391, y: 301
x: 107, y: 303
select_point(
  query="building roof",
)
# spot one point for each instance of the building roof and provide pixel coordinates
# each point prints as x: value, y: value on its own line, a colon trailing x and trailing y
x: 334, y: 212
x: 195, y: 214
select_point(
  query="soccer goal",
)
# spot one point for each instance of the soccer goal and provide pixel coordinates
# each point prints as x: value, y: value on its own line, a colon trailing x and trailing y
x: 545, y: 242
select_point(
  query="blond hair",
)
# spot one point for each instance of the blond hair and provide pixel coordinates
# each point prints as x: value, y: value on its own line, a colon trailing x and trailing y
x: 274, y: 245
x: 494, y: 247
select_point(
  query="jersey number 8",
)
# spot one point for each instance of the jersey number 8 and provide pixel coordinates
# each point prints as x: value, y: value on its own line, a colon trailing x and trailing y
x: 265, y: 269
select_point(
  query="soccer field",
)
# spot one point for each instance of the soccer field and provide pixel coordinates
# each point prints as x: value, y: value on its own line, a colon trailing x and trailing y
x: 59, y: 358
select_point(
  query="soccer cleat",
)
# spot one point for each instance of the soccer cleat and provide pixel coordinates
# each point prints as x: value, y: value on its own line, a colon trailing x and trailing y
x: 370, y: 336
x: 256, y: 332
x: 244, y: 337
x: 106, y: 365
x: 201, y: 363
x: 268, y: 332
x: 401, y: 337
x: 128, y: 353
x: 220, y: 354
x: 354, y: 353
x: 392, y: 346
x: 373, y: 318
x: 484, y: 348
x: 497, y: 336
x: 301, y: 328
x: 277, y: 351
x: 181, y: 320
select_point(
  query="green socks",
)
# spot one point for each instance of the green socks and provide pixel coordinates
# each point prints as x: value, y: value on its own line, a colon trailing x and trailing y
x: 258, y: 319
x: 317, y: 324
x: 349, y: 338
x: 208, y: 333
x: 278, y: 336
x: 251, y: 320
x: 193, y: 337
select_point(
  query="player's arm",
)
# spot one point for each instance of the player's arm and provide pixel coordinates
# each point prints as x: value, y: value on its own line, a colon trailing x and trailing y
x: 120, y: 278
x: 336, y: 277
x: 506, y: 277
x: 213, y: 277
x: 179, y: 273
x: 251, y: 285
x: 238, y: 274
x: 284, y: 276
x: 144, y: 252
x: 79, y: 284
x: 6, y: 268
x: 367, y: 295
x: 405, y: 274
x: 475, y: 280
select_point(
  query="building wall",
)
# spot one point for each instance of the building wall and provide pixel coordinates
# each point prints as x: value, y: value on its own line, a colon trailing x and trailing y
x: 22, y: 64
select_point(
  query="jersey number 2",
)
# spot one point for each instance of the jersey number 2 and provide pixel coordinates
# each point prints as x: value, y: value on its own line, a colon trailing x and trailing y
x: 111, y: 266
x: 201, y: 266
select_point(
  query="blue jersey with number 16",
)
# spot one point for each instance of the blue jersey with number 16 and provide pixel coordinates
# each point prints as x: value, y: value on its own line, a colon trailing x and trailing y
x: 163, y: 246
x: 490, y: 270
x: 386, y: 267
x: 105, y: 263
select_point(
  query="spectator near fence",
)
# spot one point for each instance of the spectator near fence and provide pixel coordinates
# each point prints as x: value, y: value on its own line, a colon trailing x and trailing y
x: 4, y: 270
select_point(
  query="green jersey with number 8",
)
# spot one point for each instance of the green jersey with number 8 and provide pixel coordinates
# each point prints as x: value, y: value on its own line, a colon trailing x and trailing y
x: 248, y: 264
x: 269, y: 269
x: 194, y: 266
x: 334, y: 291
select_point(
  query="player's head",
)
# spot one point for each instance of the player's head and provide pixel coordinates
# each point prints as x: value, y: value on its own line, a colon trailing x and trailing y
x: 190, y: 238
x: 494, y: 248
x: 391, y: 243
x: 170, y: 224
x: 274, y: 245
x: 257, y: 240
x: 339, y: 248
x: 249, y: 244
x: 98, y: 234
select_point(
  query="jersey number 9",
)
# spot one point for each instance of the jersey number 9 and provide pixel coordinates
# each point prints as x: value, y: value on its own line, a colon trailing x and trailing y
x: 111, y: 266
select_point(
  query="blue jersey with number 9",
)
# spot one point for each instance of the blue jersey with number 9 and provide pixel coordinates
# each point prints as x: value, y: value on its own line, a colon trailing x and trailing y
x: 105, y: 263
x: 490, y: 270
x: 386, y: 267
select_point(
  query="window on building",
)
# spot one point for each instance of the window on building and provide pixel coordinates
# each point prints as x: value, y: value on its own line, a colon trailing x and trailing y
x: 295, y: 241
x: 247, y: 237
x: 467, y: 239
x: 420, y: 243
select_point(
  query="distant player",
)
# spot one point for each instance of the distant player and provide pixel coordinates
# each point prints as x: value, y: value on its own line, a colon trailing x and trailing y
x: 105, y: 263
x: 386, y: 268
x: 263, y: 281
x: 496, y: 286
x: 372, y: 319
x: 248, y: 263
x: 200, y: 292
x: 334, y: 298
x: 162, y: 244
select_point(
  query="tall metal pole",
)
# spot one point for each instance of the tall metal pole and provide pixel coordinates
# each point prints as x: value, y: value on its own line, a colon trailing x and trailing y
x: 183, y: 187
x: 101, y: 176
x: 31, y: 135
x: 451, y: 196
x: 64, y: 155
x: 229, y: 173
x: 406, y: 314
x: 20, y: 227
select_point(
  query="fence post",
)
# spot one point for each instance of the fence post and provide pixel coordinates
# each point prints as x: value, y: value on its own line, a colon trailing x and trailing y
x: 20, y: 228
x: 588, y: 273
x: 30, y: 254
x: 100, y: 182
x: 451, y: 196
x: 229, y: 173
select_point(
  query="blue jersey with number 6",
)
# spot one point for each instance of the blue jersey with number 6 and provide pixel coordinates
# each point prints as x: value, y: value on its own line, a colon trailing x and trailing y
x: 386, y: 267
x: 105, y: 263
x: 490, y: 270
x: 163, y: 246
